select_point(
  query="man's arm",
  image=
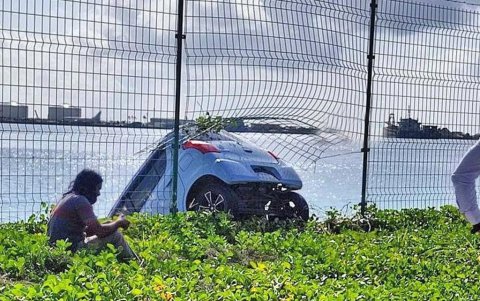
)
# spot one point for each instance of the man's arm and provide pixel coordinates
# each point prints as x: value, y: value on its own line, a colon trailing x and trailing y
x: 102, y: 230
x: 93, y: 227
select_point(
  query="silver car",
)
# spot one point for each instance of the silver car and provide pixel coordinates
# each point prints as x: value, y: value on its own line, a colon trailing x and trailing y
x: 218, y: 171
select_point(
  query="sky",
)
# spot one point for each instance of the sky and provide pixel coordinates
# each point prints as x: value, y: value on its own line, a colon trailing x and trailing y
x: 301, y: 60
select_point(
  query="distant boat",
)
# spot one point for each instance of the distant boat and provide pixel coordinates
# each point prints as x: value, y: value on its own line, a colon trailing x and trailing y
x: 411, y: 128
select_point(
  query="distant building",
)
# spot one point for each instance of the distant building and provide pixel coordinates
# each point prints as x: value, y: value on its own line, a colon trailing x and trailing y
x: 95, y: 119
x: 60, y: 113
x: 13, y: 111
x: 165, y: 123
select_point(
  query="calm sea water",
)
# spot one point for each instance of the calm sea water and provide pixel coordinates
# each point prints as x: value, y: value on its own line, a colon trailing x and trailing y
x: 37, y: 166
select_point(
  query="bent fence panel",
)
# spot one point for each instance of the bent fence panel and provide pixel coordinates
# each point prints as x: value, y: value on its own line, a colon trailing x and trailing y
x: 292, y: 65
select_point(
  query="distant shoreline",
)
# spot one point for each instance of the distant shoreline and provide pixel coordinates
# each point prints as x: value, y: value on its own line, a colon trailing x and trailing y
x: 257, y: 128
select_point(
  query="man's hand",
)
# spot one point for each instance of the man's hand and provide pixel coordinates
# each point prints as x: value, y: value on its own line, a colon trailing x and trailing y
x: 123, y: 222
x: 102, y: 230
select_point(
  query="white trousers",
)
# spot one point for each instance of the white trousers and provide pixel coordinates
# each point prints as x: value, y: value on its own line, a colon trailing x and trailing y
x: 463, y: 180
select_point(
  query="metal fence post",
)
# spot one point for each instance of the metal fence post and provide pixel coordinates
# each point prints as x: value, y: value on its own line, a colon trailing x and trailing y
x: 366, y: 149
x: 178, y: 84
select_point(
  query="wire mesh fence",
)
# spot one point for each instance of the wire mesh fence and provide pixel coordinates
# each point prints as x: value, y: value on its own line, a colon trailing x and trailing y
x: 293, y: 64
x: 80, y: 80
x: 92, y: 84
x: 425, y: 112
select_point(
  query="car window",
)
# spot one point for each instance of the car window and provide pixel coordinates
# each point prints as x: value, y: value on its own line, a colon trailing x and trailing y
x: 143, y: 184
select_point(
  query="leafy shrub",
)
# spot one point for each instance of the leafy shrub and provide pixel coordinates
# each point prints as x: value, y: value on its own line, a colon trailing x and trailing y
x: 209, y: 123
x: 405, y: 255
x: 391, y: 220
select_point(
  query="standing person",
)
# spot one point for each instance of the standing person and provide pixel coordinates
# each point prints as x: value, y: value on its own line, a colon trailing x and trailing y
x: 73, y: 219
x: 463, y: 179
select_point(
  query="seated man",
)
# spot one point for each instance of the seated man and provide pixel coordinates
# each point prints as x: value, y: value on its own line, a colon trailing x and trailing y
x: 73, y: 218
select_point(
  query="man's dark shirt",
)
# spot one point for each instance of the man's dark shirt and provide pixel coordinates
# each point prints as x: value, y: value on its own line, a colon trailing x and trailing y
x: 68, y: 219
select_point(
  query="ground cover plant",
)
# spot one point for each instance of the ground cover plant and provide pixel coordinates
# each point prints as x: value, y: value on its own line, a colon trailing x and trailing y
x: 388, y: 255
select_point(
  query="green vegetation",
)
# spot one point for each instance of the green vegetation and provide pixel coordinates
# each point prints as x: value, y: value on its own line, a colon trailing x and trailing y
x: 405, y: 255
x: 207, y: 122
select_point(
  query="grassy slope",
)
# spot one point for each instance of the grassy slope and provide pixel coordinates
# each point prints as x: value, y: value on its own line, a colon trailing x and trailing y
x: 408, y: 255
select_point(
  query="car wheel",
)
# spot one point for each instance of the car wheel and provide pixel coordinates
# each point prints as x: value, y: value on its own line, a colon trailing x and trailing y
x: 214, y: 196
x: 295, y: 206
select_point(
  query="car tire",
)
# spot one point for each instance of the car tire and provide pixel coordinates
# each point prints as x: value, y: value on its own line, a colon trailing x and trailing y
x: 295, y: 206
x: 214, y: 196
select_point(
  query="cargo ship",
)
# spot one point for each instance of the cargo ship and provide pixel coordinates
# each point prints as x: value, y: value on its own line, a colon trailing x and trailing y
x: 412, y: 128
